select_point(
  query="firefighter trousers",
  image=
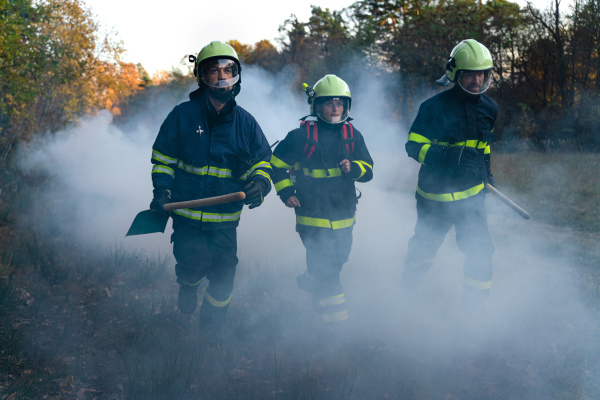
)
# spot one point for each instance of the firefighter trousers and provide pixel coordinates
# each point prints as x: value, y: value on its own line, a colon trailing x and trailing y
x: 434, y: 220
x: 327, y: 250
x: 206, y: 254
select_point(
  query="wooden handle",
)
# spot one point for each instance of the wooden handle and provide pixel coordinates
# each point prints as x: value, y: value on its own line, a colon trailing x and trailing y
x: 507, y: 201
x: 209, y: 201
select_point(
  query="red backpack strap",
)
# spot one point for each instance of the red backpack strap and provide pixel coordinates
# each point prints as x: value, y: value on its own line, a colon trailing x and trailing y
x: 315, y: 137
x: 345, y: 131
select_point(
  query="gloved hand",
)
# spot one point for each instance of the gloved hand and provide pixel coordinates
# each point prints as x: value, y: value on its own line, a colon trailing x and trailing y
x: 488, y: 169
x: 161, y: 197
x: 460, y: 156
x: 491, y: 180
x: 255, y: 192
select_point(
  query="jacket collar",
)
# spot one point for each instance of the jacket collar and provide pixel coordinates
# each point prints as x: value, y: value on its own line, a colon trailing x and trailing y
x: 202, y: 97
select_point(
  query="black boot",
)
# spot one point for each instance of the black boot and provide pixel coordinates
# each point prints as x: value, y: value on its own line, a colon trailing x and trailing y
x: 187, y: 300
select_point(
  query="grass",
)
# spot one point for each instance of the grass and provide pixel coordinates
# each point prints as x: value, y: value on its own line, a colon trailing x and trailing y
x: 103, y: 325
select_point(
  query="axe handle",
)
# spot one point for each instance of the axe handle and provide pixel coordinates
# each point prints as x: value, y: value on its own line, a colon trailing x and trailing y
x: 209, y: 201
x: 507, y: 201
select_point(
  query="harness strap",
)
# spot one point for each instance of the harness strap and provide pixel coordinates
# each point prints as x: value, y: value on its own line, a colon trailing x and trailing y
x: 346, y: 136
x: 315, y: 137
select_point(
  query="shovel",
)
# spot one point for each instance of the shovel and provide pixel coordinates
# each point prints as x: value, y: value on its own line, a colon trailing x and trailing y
x: 150, y: 222
x: 507, y: 201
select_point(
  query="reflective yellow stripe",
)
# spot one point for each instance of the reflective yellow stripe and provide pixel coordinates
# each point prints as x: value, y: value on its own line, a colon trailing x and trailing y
x: 344, y: 223
x: 283, y: 184
x: 452, y: 196
x: 278, y: 163
x: 208, y: 217
x: 487, y: 150
x: 216, y: 302
x: 263, y: 173
x: 366, y: 164
x: 477, y: 284
x: 162, y: 169
x: 362, y: 169
x: 482, y: 145
x: 331, y: 301
x: 205, y: 170
x: 468, y: 143
x: 158, y: 156
x: 415, y: 137
x: 318, y: 222
x: 423, y: 153
x: 325, y: 223
x: 335, y: 317
x: 194, y: 284
x: 321, y: 173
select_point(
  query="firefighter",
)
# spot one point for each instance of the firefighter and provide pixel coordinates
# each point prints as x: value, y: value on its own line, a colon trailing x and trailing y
x: 209, y: 146
x: 326, y: 155
x: 450, y: 138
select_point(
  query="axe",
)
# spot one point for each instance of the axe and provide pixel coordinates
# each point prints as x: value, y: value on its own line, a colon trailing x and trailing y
x: 150, y: 222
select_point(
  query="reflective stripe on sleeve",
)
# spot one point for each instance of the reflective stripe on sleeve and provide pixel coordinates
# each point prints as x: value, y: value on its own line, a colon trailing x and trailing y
x: 415, y: 137
x: 452, y: 196
x: 283, y: 184
x: 158, y: 156
x: 363, y: 171
x: 163, y: 169
x: 423, y: 153
x: 278, y: 163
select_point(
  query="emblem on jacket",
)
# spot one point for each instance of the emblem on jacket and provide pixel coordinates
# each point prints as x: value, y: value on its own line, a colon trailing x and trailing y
x: 199, y: 131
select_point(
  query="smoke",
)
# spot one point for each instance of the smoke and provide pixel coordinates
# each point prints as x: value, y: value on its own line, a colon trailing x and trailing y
x: 536, y: 316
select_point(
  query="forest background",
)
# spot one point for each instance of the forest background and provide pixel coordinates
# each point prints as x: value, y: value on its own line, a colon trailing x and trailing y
x: 91, y: 325
x: 56, y: 67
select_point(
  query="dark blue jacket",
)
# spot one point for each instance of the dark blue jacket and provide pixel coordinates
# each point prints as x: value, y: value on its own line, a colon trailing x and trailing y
x: 451, y: 118
x: 327, y: 196
x: 200, y: 153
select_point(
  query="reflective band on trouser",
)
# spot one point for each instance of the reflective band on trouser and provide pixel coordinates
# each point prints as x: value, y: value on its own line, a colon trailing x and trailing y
x: 452, y: 196
x: 325, y: 223
x: 193, y: 284
x: 331, y: 301
x: 335, y: 316
x: 418, y: 264
x: 477, y: 284
x: 214, y: 302
x: 208, y: 217
x: 283, y: 184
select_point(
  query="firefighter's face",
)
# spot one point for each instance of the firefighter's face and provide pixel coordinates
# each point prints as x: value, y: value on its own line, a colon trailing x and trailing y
x: 472, y: 80
x: 220, y: 74
x: 332, y: 110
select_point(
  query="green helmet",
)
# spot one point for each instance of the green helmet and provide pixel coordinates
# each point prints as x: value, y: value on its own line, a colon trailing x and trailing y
x: 468, y: 56
x: 330, y: 87
x: 221, y: 55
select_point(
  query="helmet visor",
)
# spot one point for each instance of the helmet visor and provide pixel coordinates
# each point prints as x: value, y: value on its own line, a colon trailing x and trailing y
x: 334, y: 110
x: 475, y: 82
x: 220, y: 73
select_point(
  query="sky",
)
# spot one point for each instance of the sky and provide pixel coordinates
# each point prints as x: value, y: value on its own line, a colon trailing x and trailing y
x: 158, y: 36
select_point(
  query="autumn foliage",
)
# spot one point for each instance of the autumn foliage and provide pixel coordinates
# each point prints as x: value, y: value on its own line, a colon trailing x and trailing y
x: 54, y: 68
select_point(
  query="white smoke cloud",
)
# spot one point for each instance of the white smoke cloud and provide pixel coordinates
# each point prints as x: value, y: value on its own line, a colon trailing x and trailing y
x: 534, y: 311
